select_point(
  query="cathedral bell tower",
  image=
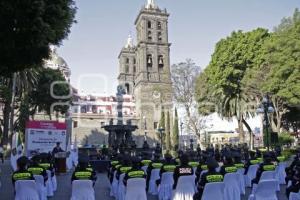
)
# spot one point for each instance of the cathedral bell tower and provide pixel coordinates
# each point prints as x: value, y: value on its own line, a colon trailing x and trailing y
x: 153, y: 86
x: 145, y: 70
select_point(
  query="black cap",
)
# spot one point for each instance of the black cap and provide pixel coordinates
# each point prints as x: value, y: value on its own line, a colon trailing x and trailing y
x: 22, y: 161
x: 212, y: 163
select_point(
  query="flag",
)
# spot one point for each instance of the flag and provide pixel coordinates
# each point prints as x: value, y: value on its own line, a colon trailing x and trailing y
x: 16, y: 150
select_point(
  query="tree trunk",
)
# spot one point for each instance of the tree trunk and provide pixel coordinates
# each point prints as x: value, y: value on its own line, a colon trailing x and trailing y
x: 251, y: 143
x: 241, y: 130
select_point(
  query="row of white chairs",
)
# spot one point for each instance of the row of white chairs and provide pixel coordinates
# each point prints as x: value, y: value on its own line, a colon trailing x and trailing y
x: 36, y: 189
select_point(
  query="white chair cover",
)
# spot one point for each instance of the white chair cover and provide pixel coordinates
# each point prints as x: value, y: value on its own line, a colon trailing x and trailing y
x: 270, y: 175
x: 121, y: 188
x: 213, y: 191
x: 185, y: 188
x: 69, y: 162
x: 241, y: 178
x: 49, y: 185
x: 280, y: 172
x: 136, y: 189
x: 145, y: 168
x: 202, y: 172
x: 153, y: 189
x: 165, y: 188
x: 266, y: 190
x: 40, y: 183
x: 54, y: 183
x: 82, y: 190
x: 294, y: 196
x: 26, y: 190
x: 114, y: 186
x: 232, y: 187
x: 251, y: 174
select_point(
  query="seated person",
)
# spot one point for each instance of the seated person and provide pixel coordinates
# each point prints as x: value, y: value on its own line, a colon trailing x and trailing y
x: 135, y: 171
x: 35, y: 168
x: 126, y: 166
x: 184, y: 169
x: 208, y: 177
x: 168, y: 166
x: 82, y: 172
x: 295, y: 186
x: 251, y: 161
x: 155, y: 164
x: 238, y: 161
x: 228, y: 166
x: 46, y: 163
x: 267, y: 165
x: 22, y: 173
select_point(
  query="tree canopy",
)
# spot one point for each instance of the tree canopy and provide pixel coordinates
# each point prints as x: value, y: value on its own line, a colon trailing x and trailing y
x: 28, y: 27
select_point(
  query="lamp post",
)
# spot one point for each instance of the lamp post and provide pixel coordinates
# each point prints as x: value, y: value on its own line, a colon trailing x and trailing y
x: 145, y: 128
x: 181, y: 127
x: 161, y: 131
x: 265, y: 108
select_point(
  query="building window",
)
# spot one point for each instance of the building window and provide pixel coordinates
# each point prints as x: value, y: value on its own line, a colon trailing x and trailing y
x: 134, y: 61
x: 159, y: 36
x: 149, y: 24
x: 149, y: 60
x: 127, y: 60
x: 149, y: 35
x: 134, y: 69
x: 160, y: 61
x: 126, y: 69
x: 127, y: 87
x: 155, y: 125
x: 159, y: 25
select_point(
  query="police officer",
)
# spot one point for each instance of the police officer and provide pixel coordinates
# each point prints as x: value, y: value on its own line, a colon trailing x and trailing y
x: 295, y: 179
x: 184, y: 169
x: 125, y: 167
x: 228, y: 166
x: 251, y: 161
x: 135, y: 171
x: 35, y: 168
x: 22, y: 173
x: 155, y: 164
x: 168, y: 166
x: 208, y: 177
x: 267, y: 165
x: 114, y: 165
x: 201, y: 167
x: 82, y: 173
x: 46, y: 163
x: 238, y: 161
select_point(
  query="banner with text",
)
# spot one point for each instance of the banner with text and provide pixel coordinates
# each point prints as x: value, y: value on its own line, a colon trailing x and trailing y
x: 42, y: 136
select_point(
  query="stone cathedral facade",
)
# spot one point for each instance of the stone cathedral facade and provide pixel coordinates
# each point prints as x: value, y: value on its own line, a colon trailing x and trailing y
x: 144, y: 71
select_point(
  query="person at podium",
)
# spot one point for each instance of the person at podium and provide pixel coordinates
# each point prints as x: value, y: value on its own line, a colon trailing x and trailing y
x: 56, y: 149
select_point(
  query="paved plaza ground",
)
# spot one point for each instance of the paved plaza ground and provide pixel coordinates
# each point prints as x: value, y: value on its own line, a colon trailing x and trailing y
x: 64, y: 187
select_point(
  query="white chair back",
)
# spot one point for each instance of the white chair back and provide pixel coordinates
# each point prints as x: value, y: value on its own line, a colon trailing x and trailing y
x: 136, y: 189
x: 166, y: 186
x: 152, y: 182
x: 40, y: 183
x: 26, y: 190
x: 144, y: 168
x: 82, y: 190
x: 49, y: 185
x: 251, y: 174
x: 121, y: 188
x: 213, y: 191
x: 266, y: 190
x: 267, y: 175
x: 294, y: 196
x: 114, y: 186
x: 232, y: 186
x: 185, y: 188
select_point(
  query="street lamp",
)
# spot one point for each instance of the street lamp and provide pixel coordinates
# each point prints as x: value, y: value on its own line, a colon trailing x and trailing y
x: 145, y: 128
x: 161, y: 131
x: 265, y: 108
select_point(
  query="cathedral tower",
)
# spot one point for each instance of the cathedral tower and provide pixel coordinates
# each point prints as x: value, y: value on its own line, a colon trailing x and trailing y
x: 150, y: 78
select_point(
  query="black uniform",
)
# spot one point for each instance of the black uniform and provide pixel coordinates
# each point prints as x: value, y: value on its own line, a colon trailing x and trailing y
x: 83, y: 171
x: 182, y: 170
x: 22, y: 173
x: 295, y: 187
x: 267, y: 165
x: 135, y: 171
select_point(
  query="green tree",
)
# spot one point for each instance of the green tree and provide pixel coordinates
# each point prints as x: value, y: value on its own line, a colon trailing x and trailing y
x: 162, y: 125
x: 42, y: 96
x: 28, y: 28
x: 176, y: 131
x: 168, y: 132
x: 224, y: 75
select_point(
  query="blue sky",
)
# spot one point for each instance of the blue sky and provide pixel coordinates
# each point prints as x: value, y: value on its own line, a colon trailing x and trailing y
x: 195, y: 26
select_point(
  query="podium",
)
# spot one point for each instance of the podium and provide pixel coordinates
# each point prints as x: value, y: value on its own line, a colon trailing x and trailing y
x: 60, y: 162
